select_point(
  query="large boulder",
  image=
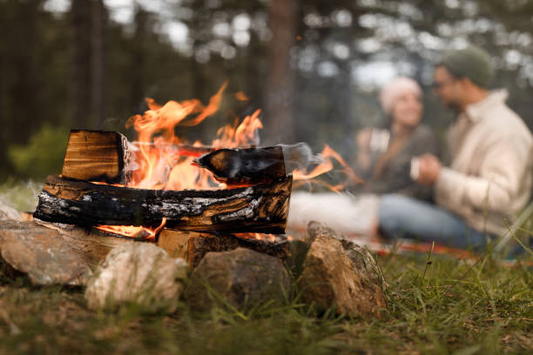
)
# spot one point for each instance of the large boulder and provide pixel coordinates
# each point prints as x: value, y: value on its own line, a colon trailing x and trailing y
x: 240, y: 278
x: 140, y: 273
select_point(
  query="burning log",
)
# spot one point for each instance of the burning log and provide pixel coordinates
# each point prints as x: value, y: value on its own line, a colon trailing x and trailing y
x: 259, y: 208
x: 259, y: 165
x: 245, y: 166
x: 193, y: 246
x: 97, y: 156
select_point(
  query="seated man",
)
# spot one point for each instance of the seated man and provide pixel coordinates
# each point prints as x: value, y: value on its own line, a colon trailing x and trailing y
x: 489, y: 176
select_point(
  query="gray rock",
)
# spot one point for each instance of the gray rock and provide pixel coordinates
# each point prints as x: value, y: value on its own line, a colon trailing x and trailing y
x: 139, y: 273
x: 41, y: 253
x: 364, y: 263
x: 240, y: 278
x: 341, y: 275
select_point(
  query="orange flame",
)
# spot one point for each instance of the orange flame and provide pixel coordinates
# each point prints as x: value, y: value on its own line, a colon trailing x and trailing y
x: 330, y: 155
x: 161, y: 165
x: 165, y: 161
x: 134, y: 231
x: 241, y: 96
x: 256, y: 236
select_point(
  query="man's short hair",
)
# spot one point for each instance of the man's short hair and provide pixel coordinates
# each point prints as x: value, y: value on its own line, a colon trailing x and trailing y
x: 471, y: 62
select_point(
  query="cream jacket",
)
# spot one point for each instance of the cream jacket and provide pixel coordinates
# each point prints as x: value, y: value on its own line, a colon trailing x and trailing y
x: 489, y: 178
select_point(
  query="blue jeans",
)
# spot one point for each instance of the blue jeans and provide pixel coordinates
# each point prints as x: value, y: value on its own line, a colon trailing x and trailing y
x: 404, y: 217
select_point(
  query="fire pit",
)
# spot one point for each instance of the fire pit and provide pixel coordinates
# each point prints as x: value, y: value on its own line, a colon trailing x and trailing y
x: 230, y: 197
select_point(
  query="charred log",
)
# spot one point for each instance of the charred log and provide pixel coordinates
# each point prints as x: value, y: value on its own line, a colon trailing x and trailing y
x: 259, y: 208
x: 97, y: 156
x: 245, y: 167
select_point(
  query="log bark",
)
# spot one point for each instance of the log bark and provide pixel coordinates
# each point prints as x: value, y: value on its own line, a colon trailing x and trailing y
x: 260, y: 208
x: 193, y: 246
x: 97, y: 156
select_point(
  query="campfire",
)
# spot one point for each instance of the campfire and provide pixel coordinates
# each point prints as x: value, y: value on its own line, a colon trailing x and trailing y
x: 165, y: 189
x: 131, y: 221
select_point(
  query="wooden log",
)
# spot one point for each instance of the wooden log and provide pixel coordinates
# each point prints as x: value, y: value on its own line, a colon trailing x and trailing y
x: 193, y: 246
x: 244, y: 167
x: 51, y: 255
x: 260, y: 208
x: 97, y: 156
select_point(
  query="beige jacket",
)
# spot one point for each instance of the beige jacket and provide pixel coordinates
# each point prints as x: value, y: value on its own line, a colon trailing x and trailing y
x: 489, y: 178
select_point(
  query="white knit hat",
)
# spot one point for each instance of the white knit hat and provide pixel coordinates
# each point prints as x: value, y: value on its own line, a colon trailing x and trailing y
x: 394, y: 89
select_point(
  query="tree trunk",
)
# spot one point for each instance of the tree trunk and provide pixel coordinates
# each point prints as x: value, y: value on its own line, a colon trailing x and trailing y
x: 138, y: 60
x: 81, y: 52
x: 280, y: 83
x: 98, y: 84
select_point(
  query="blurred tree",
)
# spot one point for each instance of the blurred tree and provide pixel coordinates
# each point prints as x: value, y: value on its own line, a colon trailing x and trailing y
x: 314, y: 66
x: 138, y: 54
x: 98, y: 64
x: 81, y: 63
x: 280, y: 80
x: 88, y: 64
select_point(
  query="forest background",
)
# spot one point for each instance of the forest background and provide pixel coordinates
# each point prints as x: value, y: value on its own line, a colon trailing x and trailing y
x: 314, y: 67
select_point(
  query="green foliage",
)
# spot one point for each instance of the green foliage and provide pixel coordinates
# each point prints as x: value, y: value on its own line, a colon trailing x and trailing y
x: 43, y: 155
x: 22, y: 196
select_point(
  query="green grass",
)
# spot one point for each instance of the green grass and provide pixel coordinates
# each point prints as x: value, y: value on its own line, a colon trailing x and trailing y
x: 444, y: 306
x: 455, y: 308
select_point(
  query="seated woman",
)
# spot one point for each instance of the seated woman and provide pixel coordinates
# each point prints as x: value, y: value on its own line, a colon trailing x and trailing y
x: 383, y: 161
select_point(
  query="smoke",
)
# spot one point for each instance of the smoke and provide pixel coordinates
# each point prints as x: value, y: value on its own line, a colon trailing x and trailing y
x: 300, y: 156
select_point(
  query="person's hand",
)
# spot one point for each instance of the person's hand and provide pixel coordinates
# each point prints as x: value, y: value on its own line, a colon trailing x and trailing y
x: 429, y: 169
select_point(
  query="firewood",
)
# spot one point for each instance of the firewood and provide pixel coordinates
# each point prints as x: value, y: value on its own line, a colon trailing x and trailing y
x: 259, y: 208
x: 97, y: 156
x: 244, y: 167
x: 193, y: 246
